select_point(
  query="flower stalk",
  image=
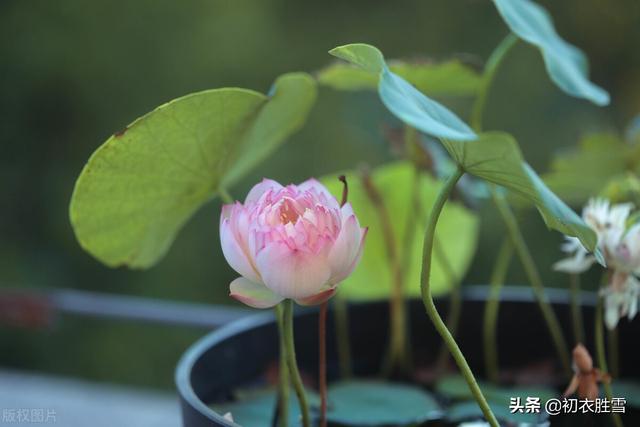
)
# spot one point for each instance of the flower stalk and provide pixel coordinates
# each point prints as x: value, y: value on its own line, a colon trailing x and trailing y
x: 290, y: 356
x: 614, y: 348
x: 427, y: 298
x: 398, y: 328
x: 490, y: 70
x: 576, y: 308
x: 322, y: 334
x: 522, y: 250
x: 440, y: 256
x: 341, y: 313
x: 455, y: 301
x: 492, y: 307
x: 322, y: 362
x: 602, y: 358
x: 225, y: 196
x: 283, y: 380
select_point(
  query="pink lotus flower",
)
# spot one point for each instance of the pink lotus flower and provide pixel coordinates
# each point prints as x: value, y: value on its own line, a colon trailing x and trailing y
x: 293, y: 242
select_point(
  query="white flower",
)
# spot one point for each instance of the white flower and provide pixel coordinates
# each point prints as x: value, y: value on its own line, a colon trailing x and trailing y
x: 609, y: 223
x: 625, y: 256
x: 580, y: 259
x: 621, y: 250
x: 620, y: 298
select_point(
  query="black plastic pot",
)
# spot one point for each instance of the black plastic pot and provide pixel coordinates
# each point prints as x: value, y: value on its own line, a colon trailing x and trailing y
x: 238, y: 354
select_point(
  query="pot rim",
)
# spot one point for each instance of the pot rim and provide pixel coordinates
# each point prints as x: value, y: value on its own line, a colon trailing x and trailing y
x: 197, y: 349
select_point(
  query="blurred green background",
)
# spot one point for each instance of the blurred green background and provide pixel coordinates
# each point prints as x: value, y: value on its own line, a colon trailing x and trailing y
x: 73, y: 72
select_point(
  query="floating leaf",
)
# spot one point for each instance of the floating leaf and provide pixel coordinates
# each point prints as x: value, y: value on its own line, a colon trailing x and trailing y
x: 627, y: 389
x: 144, y: 183
x: 567, y: 65
x: 376, y: 403
x: 449, y: 78
x: 469, y: 411
x: 456, y: 388
x: 404, y: 100
x: 502, y: 395
x: 256, y: 408
x: 457, y: 232
x: 496, y: 157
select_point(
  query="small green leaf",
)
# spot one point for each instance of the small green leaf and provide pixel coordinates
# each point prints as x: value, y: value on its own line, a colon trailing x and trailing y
x: 496, y: 157
x: 567, y: 65
x: 376, y: 403
x: 363, y: 55
x: 404, y: 100
x: 622, y: 189
x: 144, y: 183
x: 256, y: 408
x: 627, y: 389
x: 582, y: 172
x: 449, y: 78
x: 457, y: 232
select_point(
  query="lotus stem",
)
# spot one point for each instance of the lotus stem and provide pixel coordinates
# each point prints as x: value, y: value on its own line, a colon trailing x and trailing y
x: 533, y: 275
x: 602, y: 358
x: 427, y: 298
x: 398, y: 323
x: 322, y: 361
x: 283, y: 383
x: 493, y: 64
x: 614, y: 356
x: 292, y: 363
x: 492, y: 307
x: 225, y: 196
x: 341, y: 311
x: 455, y: 301
x: 490, y: 69
x: 576, y: 308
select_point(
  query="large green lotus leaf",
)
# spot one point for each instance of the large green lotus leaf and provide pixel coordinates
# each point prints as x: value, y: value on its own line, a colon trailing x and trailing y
x: 457, y: 231
x: 567, y: 65
x: 496, y: 157
x: 582, y: 172
x: 145, y: 182
x: 404, y: 100
x: 449, y: 78
x: 377, y: 403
